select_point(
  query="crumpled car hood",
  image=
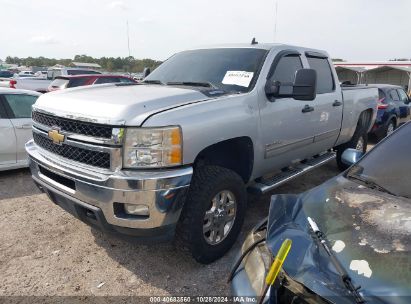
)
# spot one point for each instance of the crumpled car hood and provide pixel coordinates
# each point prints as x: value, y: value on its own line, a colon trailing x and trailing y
x: 116, y: 105
x: 368, y: 230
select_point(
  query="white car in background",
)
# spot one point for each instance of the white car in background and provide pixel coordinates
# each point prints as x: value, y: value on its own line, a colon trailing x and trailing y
x: 41, y: 74
x: 26, y: 73
x: 15, y: 126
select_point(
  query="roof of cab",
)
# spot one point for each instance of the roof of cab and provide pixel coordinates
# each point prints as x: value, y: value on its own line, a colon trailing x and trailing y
x: 263, y: 46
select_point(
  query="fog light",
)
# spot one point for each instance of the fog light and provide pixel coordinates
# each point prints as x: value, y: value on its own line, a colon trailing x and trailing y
x: 136, y: 209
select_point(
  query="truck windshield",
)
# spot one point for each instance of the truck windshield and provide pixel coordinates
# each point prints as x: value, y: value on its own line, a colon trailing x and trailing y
x: 229, y: 69
x: 387, y: 166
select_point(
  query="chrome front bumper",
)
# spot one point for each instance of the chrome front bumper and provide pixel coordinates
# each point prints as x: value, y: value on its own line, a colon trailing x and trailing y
x: 163, y: 191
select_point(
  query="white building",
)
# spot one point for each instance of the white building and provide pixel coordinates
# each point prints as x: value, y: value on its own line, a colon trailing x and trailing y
x: 85, y: 65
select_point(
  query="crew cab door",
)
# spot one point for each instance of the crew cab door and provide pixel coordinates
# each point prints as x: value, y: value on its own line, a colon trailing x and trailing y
x: 286, y: 124
x: 18, y: 107
x: 328, y: 105
x: 7, y: 138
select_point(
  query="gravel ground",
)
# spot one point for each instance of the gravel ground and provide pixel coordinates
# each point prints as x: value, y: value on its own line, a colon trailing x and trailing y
x: 44, y: 251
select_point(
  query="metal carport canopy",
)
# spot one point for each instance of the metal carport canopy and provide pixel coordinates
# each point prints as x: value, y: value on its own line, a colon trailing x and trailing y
x: 354, y: 69
x: 406, y: 69
x: 389, y: 67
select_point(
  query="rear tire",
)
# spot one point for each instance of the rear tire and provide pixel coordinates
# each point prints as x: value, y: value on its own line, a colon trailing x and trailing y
x: 389, y: 129
x: 358, y: 141
x: 193, y: 231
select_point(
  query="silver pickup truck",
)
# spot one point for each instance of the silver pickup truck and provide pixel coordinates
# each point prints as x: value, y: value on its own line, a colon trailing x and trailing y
x: 174, y: 156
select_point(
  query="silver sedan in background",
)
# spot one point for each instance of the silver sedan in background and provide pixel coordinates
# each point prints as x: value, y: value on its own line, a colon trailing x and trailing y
x: 15, y: 126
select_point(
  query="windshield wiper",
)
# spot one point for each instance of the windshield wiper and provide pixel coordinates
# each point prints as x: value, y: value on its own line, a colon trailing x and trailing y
x: 322, y: 241
x: 153, y: 81
x: 369, y: 183
x: 192, y: 84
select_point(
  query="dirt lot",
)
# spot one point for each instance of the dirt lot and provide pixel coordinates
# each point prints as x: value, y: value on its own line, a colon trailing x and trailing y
x: 44, y: 251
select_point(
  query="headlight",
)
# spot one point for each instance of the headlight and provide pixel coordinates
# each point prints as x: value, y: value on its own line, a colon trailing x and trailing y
x: 152, y: 147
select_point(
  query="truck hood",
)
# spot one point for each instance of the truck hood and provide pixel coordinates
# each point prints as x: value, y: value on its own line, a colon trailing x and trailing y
x: 116, y: 104
x: 368, y: 230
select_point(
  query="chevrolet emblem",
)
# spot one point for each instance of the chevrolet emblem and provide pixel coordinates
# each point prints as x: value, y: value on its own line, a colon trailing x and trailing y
x: 56, y: 136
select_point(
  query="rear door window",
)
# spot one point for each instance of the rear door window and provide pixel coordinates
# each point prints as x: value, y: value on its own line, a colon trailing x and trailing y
x: 107, y: 80
x: 403, y: 95
x: 126, y: 80
x: 20, y: 105
x: 325, y: 79
x: 394, y: 95
x: 381, y: 95
x: 81, y: 72
x: 77, y: 82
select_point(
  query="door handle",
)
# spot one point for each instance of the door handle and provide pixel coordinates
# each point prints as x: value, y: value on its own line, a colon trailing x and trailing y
x: 307, y: 109
x: 337, y: 103
x: 25, y: 126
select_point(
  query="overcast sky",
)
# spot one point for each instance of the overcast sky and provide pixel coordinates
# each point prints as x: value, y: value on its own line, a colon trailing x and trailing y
x: 348, y: 29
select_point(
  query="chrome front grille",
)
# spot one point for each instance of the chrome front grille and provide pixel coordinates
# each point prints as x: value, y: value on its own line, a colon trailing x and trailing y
x: 89, y: 157
x: 73, y: 126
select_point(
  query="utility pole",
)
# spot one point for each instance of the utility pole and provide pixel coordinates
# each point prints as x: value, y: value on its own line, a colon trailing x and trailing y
x: 275, y: 21
x: 128, y: 47
x: 128, y: 40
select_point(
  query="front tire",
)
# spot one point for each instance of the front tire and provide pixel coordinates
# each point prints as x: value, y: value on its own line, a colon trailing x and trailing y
x: 213, y: 213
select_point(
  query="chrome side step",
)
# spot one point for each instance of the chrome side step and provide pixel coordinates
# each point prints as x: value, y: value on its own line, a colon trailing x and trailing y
x: 264, y: 185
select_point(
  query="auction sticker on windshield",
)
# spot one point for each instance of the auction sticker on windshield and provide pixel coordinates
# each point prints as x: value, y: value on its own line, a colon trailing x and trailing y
x: 240, y: 78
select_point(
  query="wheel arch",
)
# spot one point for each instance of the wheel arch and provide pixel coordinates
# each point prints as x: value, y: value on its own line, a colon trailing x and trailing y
x: 236, y: 154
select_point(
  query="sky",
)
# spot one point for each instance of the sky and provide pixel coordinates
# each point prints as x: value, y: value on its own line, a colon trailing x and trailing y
x: 348, y: 29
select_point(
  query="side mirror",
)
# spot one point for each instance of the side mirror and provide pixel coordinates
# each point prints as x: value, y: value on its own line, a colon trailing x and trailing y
x: 303, y: 88
x: 146, y: 72
x: 351, y: 156
x: 305, y: 84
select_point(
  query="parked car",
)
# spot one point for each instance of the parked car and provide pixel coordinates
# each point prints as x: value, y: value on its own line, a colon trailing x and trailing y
x: 65, y: 82
x: 26, y: 73
x: 364, y: 215
x: 175, y: 154
x: 5, y: 77
x: 15, y: 126
x: 41, y: 74
x: 393, y: 109
x: 40, y: 84
x: 6, y: 74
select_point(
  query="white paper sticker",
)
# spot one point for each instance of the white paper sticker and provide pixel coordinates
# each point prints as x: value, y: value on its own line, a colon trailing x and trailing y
x: 240, y: 78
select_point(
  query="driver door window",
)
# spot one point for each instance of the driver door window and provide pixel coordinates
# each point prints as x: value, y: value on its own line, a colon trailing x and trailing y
x: 285, y: 72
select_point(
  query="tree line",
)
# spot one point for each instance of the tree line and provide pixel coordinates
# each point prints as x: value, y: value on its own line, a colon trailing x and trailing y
x: 111, y: 64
